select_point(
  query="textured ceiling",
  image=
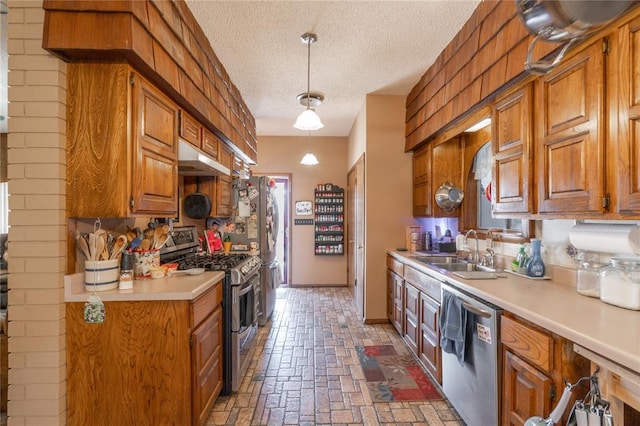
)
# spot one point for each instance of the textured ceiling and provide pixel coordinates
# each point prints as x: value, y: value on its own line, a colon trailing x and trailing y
x: 363, y: 47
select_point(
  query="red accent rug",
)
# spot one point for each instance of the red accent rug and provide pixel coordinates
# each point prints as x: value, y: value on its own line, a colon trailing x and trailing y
x: 393, y: 376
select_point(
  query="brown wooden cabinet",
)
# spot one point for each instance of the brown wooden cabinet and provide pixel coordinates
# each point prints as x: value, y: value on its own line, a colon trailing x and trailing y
x: 224, y: 193
x: 395, y: 287
x: 512, y: 150
x: 429, y: 349
x: 422, y: 195
x: 534, y: 365
x: 122, y: 149
x: 570, y: 155
x: 411, y: 333
x: 427, y: 319
x: 624, y: 89
x: 149, y: 363
x: 433, y: 165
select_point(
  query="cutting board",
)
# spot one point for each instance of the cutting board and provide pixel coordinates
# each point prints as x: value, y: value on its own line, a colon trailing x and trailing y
x: 478, y: 275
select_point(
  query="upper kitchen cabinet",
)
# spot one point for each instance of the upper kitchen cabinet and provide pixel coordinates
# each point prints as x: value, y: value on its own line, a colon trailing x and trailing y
x: 434, y: 164
x: 512, y: 151
x: 624, y: 83
x: 570, y: 159
x: 422, y: 194
x: 121, y: 145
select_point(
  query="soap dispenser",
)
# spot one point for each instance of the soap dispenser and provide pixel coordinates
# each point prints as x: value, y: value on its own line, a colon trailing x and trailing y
x: 535, y: 267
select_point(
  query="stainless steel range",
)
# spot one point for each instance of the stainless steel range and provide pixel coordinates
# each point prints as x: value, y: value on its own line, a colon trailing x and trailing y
x: 241, y: 292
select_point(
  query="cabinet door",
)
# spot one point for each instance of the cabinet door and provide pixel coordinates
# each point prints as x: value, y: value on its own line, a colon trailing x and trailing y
x: 446, y: 166
x: 411, y: 328
x: 430, y: 336
x: 398, y: 303
x: 512, y: 122
x: 390, y: 286
x: 223, y: 196
x: 210, y: 143
x: 570, y: 140
x: 189, y: 129
x: 625, y: 81
x: 422, y: 182
x: 526, y: 391
x: 206, y: 358
x: 225, y: 155
x: 155, y: 133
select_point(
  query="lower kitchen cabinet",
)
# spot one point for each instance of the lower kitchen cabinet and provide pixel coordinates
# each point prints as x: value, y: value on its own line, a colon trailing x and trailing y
x: 535, y: 363
x: 414, y: 308
x: 149, y: 363
x: 411, y: 328
x: 429, y: 349
x: 395, y: 287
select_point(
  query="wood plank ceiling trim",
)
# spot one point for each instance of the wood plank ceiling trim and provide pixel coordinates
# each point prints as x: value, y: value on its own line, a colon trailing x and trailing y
x: 163, y: 40
x: 487, y: 53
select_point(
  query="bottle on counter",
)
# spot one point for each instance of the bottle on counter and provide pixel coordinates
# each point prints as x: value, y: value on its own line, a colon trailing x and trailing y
x: 126, y: 271
x: 519, y: 261
x: 535, y: 266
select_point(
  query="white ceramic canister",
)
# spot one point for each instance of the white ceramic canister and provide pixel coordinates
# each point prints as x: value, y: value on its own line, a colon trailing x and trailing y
x: 620, y: 283
x: 101, y: 275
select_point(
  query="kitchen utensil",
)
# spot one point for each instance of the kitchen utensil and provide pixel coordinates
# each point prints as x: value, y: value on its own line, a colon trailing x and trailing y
x: 192, y: 271
x: 161, y: 241
x: 448, y: 196
x: 157, y: 234
x: 84, y: 247
x: 145, y: 244
x: 564, y: 21
x: 118, y: 246
x: 197, y: 205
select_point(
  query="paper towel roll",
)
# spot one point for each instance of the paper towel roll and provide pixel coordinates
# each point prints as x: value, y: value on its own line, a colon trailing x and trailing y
x: 616, y: 239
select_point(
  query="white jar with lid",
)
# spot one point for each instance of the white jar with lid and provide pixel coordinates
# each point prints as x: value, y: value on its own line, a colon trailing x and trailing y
x: 620, y: 283
x: 588, y: 278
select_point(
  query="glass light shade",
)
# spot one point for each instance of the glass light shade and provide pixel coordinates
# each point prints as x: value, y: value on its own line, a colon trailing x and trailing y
x: 308, y: 120
x: 309, y: 159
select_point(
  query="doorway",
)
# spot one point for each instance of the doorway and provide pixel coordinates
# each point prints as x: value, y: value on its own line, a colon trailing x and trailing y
x: 283, y: 201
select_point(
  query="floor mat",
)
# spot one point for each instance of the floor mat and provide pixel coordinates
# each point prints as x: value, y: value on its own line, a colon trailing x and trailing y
x: 393, y: 376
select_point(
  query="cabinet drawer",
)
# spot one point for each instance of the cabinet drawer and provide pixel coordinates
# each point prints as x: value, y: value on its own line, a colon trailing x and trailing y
x: 205, y: 304
x: 395, y: 265
x: 424, y: 282
x: 189, y: 129
x: 534, y: 346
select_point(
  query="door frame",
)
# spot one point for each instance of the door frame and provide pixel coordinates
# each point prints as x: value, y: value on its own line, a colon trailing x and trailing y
x: 356, y: 234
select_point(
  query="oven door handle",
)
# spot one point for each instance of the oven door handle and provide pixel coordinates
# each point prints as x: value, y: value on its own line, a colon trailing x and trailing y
x: 238, y: 293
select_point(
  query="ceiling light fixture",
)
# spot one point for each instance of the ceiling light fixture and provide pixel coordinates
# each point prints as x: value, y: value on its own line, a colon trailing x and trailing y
x: 479, y: 125
x: 308, y: 119
x: 309, y: 159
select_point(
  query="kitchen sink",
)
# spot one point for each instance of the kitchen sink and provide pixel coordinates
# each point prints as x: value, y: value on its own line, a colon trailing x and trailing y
x: 437, y: 259
x: 462, y: 266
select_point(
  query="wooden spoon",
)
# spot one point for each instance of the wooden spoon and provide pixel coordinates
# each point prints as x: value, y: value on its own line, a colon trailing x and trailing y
x: 163, y: 239
x: 145, y: 244
x: 118, y: 246
x: 157, y: 233
x: 84, y: 248
x: 92, y: 247
x: 99, y: 247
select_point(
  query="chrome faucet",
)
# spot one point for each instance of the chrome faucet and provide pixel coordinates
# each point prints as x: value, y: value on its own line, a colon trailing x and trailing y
x: 476, y: 255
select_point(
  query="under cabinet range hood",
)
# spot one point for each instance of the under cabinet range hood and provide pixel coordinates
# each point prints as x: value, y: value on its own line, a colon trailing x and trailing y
x: 192, y: 162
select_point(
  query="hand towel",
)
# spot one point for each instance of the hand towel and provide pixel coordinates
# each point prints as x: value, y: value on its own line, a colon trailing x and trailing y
x: 453, y: 321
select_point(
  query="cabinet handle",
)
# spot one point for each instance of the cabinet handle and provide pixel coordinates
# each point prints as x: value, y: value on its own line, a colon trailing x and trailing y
x: 605, y: 201
x: 131, y: 203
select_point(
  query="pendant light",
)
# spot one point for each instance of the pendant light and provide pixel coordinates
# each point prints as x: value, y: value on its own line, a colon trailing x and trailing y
x: 308, y: 119
x: 309, y: 159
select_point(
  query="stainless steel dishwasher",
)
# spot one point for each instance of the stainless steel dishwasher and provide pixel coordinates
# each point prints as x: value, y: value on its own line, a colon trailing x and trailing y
x: 473, y: 385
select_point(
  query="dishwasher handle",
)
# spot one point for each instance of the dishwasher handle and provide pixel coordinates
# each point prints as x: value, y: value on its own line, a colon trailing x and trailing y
x: 477, y: 311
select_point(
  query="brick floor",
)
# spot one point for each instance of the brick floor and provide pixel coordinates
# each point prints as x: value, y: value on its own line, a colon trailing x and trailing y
x: 305, y: 370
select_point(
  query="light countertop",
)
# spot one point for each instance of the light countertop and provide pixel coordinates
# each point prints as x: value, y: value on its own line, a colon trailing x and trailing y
x: 181, y: 287
x: 607, y: 330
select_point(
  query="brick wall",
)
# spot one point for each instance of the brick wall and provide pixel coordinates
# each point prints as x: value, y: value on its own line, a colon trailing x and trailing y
x: 36, y: 173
